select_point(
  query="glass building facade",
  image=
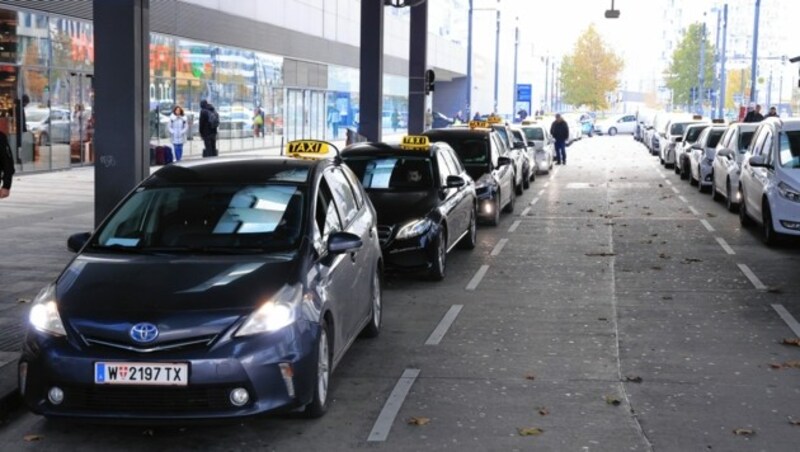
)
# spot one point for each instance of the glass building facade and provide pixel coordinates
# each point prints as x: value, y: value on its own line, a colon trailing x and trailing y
x: 47, y: 95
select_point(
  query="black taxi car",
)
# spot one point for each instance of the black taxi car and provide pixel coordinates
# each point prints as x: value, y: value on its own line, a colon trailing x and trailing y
x: 424, y: 197
x: 216, y: 289
x: 480, y: 150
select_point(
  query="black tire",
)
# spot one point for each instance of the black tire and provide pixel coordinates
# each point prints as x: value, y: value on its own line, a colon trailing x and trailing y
x: 612, y: 131
x: 729, y: 204
x: 510, y: 206
x: 495, y: 220
x: 373, y: 328
x: 526, y: 180
x: 676, y: 167
x: 700, y: 187
x: 685, y: 173
x: 744, y: 218
x: 715, y: 196
x: 692, y: 180
x: 439, y: 264
x: 319, y: 400
x: 661, y: 160
x: 471, y: 239
x: 517, y: 188
x: 769, y: 236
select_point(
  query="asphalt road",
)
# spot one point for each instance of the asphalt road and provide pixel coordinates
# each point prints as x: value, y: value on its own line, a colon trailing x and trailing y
x: 610, y: 312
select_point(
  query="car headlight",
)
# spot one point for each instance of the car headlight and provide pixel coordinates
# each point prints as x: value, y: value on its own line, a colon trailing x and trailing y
x: 414, y: 228
x: 279, y: 312
x: 709, y: 161
x: 788, y: 192
x: 44, y: 313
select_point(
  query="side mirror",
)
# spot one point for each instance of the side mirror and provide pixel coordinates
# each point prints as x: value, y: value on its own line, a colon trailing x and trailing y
x: 757, y: 161
x: 75, y: 242
x: 679, y: 139
x: 503, y: 161
x: 519, y: 145
x: 697, y: 147
x: 454, y: 182
x: 725, y: 153
x: 342, y: 242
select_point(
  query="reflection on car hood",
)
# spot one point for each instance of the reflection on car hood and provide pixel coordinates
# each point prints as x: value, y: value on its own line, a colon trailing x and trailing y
x: 399, y: 207
x: 792, y: 177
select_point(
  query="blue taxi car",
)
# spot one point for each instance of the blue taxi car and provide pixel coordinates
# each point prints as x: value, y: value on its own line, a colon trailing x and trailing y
x: 215, y: 289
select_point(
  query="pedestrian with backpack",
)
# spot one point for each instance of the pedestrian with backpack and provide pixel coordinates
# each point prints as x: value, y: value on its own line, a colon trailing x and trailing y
x: 209, y: 122
x: 177, y: 131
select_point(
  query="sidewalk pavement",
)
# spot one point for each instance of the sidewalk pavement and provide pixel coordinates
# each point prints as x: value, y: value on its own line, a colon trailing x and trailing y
x: 44, y: 209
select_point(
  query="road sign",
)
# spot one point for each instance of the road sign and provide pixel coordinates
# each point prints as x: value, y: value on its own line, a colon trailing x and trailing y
x: 524, y: 92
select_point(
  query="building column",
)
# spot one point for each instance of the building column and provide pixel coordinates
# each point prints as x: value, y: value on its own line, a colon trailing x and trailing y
x: 122, y: 71
x: 417, y: 65
x: 371, y: 70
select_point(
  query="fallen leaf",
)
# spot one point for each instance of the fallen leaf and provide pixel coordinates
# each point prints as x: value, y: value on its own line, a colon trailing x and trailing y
x: 613, y: 400
x: 23, y: 300
x: 530, y: 431
x: 791, y: 341
x: 633, y: 378
x: 656, y: 267
x: 744, y: 431
x: 664, y: 256
x: 710, y: 215
x: 776, y: 365
x: 543, y: 411
x: 793, y: 364
x: 418, y: 420
x: 774, y: 290
x: 530, y: 377
x: 601, y: 254
x: 793, y: 421
x: 691, y: 260
x: 666, y: 297
x: 32, y: 438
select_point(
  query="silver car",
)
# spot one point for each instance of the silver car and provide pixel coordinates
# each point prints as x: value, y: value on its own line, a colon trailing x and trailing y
x: 702, y: 156
x: 543, y: 145
x: 728, y: 163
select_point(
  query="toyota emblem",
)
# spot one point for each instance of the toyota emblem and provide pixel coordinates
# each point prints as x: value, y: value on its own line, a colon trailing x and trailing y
x: 144, y: 332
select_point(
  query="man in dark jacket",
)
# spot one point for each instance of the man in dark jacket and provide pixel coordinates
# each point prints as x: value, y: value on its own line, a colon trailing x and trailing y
x: 754, y: 115
x: 6, y: 166
x: 209, y: 121
x: 560, y: 132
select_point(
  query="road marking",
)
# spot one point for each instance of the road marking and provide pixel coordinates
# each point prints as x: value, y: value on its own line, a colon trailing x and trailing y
x: 380, y: 431
x: 514, y: 226
x: 546, y: 184
x: 752, y: 277
x: 525, y: 212
x: 706, y: 224
x: 683, y: 199
x: 499, y: 247
x: 793, y: 324
x: 694, y: 211
x: 473, y: 283
x: 675, y: 190
x: 444, y: 325
x: 541, y: 192
x: 725, y: 246
x: 535, y: 200
x: 663, y: 176
x: 669, y: 182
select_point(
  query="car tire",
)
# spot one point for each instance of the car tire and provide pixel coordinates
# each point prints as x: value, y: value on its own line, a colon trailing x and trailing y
x: 700, y: 187
x: 373, y: 328
x: 518, y: 188
x: 729, y: 204
x: 661, y: 160
x: 526, y: 180
x: 495, y: 220
x: 744, y: 218
x: 612, y: 131
x: 319, y: 399
x: 470, y: 241
x: 439, y: 265
x: 510, y: 206
x: 692, y: 180
x: 769, y: 236
x: 676, y: 167
x: 715, y: 196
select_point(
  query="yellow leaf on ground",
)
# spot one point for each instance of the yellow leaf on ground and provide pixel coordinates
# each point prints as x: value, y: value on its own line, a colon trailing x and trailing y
x: 530, y: 431
x: 31, y: 438
x: 418, y: 420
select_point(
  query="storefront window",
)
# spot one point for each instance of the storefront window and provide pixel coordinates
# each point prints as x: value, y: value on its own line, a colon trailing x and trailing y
x: 32, y: 36
x: 72, y: 43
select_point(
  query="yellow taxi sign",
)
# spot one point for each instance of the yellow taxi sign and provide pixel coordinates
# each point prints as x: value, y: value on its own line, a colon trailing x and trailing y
x: 415, y: 143
x: 479, y: 125
x: 308, y: 148
x: 494, y: 119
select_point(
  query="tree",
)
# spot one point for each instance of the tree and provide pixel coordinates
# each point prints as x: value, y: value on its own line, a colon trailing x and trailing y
x: 590, y: 72
x: 684, y: 73
x: 737, y: 86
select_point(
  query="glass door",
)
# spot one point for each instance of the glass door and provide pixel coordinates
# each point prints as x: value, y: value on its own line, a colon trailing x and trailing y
x: 80, y: 92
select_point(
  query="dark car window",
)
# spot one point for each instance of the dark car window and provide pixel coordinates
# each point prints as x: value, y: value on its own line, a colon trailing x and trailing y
x: 267, y: 216
x: 325, y: 215
x: 343, y: 195
x: 789, y: 152
x: 518, y: 138
x: 713, y: 138
x: 353, y: 181
x: 455, y: 163
x: 445, y: 168
x: 471, y: 151
x: 534, y: 134
x: 677, y: 129
x: 744, y: 141
x: 694, y: 133
x: 502, y: 133
x: 393, y: 173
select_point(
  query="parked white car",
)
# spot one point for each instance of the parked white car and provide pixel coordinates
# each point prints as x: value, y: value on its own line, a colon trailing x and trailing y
x: 702, y: 156
x: 616, y: 124
x: 769, y: 185
x: 690, y: 137
x: 539, y: 135
x: 728, y: 163
x: 673, y: 136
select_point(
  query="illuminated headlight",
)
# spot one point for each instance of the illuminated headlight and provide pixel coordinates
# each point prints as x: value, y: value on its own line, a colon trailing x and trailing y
x: 277, y: 313
x: 414, y: 228
x: 44, y: 313
x: 488, y: 207
x: 788, y: 192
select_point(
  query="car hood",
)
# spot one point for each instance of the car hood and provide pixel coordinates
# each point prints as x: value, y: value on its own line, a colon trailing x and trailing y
x: 102, y: 296
x: 792, y: 177
x: 399, y: 207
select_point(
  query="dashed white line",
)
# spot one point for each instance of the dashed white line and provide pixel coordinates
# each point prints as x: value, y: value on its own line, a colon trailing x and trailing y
x: 669, y: 182
x: 499, y: 247
x: 663, y: 176
x: 541, y: 192
x: 546, y: 184
x: 752, y: 277
x: 683, y: 199
x: 473, y: 283
x: 675, y: 190
x: 706, y: 224
x: 694, y: 211
x: 525, y: 212
x: 514, y: 226
x: 790, y: 321
x: 441, y: 329
x: 382, y: 426
x: 725, y: 246
x: 535, y: 200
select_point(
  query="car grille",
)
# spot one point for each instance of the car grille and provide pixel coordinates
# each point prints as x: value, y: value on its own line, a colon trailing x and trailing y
x: 145, y: 399
x: 199, y: 342
x: 384, y: 233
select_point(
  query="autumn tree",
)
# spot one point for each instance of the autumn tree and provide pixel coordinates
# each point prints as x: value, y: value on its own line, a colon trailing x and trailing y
x: 684, y: 69
x: 590, y: 72
x: 738, y: 84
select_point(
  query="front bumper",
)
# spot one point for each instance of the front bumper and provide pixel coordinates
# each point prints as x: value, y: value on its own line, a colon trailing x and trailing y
x: 542, y: 165
x: 785, y: 215
x: 487, y: 204
x: 411, y: 254
x: 706, y: 174
x: 252, y: 363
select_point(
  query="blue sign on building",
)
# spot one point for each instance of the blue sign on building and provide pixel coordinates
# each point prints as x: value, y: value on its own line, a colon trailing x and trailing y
x: 524, y: 93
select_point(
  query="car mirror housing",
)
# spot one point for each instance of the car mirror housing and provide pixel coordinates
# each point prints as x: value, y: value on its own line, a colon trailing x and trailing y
x: 757, y: 161
x: 455, y: 182
x: 342, y: 242
x: 679, y: 139
x: 75, y: 242
x: 502, y: 161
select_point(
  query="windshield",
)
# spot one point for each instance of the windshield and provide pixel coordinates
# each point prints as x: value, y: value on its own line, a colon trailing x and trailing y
x: 204, y: 218
x: 471, y: 151
x: 677, y: 129
x: 713, y: 138
x: 534, y: 134
x: 790, y: 150
x: 694, y: 133
x: 393, y: 173
x: 744, y: 141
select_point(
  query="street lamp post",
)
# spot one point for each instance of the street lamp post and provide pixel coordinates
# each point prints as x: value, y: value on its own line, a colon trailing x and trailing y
x: 701, y: 78
x: 516, y: 57
x: 754, y: 64
x: 497, y: 59
x: 723, y: 75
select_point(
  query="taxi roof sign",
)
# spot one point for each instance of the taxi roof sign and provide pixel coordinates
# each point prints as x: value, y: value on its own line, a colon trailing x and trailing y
x: 312, y: 149
x: 415, y: 143
x: 494, y: 119
x: 479, y: 125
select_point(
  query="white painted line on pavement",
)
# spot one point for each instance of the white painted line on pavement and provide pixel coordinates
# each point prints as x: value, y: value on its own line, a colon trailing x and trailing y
x: 793, y: 324
x: 694, y: 211
x: 669, y: 182
x: 535, y: 200
x: 663, y: 176
x: 525, y: 212
x: 752, y: 277
x: 514, y: 226
x: 541, y: 192
x: 499, y: 247
x: 546, y: 184
x: 473, y: 283
x: 380, y: 431
x: 725, y: 246
x: 441, y: 329
x: 675, y: 190
x: 683, y: 199
x: 706, y: 224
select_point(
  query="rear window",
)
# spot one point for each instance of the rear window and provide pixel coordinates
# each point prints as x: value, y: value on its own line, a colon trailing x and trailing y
x: 471, y: 151
x: 744, y: 141
x: 392, y: 173
x: 713, y: 138
x: 534, y: 134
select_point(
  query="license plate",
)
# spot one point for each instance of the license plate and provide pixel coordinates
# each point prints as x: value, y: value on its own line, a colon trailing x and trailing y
x: 164, y: 374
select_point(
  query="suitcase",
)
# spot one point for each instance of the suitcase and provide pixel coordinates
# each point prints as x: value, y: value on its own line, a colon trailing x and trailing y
x: 168, y: 157
x: 161, y: 155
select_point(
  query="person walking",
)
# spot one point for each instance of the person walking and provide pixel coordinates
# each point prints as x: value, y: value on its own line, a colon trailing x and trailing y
x: 258, y: 122
x: 209, y: 121
x: 754, y: 115
x: 395, y: 120
x: 177, y: 130
x: 560, y: 132
x: 334, y: 118
x: 6, y: 166
x: 773, y: 112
